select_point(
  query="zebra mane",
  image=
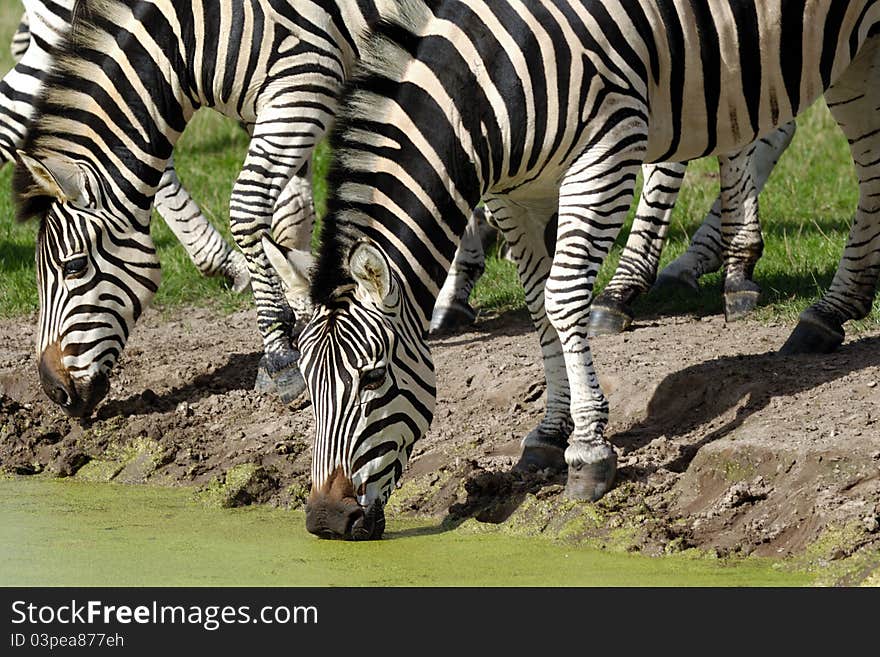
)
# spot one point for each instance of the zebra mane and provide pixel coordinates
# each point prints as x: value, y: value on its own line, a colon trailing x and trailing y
x: 385, y: 54
x: 86, y: 30
x: 30, y: 198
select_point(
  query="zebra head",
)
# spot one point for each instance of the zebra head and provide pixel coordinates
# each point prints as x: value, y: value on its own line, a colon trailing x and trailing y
x: 369, y: 372
x: 95, y: 275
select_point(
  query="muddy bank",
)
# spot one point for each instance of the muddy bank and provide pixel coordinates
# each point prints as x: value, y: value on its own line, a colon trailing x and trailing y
x: 723, y: 444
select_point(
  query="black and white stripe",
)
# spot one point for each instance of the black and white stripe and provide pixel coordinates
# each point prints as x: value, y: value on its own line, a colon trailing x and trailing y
x: 546, y: 109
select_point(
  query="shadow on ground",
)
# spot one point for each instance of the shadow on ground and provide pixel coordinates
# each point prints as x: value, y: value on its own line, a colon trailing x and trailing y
x: 238, y: 373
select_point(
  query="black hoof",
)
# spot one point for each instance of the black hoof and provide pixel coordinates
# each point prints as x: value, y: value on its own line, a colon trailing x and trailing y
x: 287, y: 383
x: 672, y: 284
x: 814, y: 334
x: 541, y: 457
x: 590, y: 481
x: 741, y: 295
x: 264, y: 382
x: 739, y: 303
x: 609, y: 317
x: 457, y: 316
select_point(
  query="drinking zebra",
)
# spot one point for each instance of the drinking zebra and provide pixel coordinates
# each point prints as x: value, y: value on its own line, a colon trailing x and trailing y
x: 19, y: 90
x: 125, y: 82
x: 545, y: 110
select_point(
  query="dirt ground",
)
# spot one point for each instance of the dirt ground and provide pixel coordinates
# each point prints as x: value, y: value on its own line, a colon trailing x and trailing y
x: 723, y: 445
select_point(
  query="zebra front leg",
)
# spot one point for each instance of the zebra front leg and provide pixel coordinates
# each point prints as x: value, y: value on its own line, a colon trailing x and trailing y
x: 525, y: 232
x: 593, y: 201
x: 204, y: 245
x: 453, y: 309
x: 853, y: 101
x: 705, y: 253
x: 612, y: 311
x: 264, y: 175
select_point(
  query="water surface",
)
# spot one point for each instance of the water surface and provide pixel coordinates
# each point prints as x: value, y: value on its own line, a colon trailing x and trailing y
x: 68, y: 533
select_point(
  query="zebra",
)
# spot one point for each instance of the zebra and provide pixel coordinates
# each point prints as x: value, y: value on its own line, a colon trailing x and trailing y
x: 544, y: 110
x: 21, y: 39
x: 283, y: 86
x: 19, y: 90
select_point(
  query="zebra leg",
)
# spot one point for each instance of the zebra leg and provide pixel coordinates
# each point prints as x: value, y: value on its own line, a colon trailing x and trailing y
x: 293, y: 222
x: 853, y: 101
x: 705, y: 253
x: 611, y: 312
x: 207, y: 249
x: 452, y: 309
x: 740, y: 233
x: 268, y: 167
x: 530, y: 234
x: 593, y: 202
x: 21, y: 39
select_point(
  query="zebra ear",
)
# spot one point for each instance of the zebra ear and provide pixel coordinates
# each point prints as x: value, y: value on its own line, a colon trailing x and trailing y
x: 58, y: 177
x: 371, y: 272
x: 292, y: 266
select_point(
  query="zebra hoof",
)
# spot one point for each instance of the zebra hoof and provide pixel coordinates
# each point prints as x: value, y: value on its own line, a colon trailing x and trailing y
x: 456, y: 316
x: 814, y: 334
x: 590, y: 480
x: 739, y: 303
x: 683, y: 283
x: 287, y: 383
x: 236, y: 272
x: 609, y: 317
x: 535, y: 458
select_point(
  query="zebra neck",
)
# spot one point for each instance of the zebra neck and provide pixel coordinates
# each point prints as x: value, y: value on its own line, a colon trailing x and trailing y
x: 410, y: 194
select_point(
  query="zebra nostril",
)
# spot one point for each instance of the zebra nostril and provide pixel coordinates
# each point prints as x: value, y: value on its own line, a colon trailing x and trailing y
x: 357, y: 528
x: 61, y: 396
x: 368, y: 525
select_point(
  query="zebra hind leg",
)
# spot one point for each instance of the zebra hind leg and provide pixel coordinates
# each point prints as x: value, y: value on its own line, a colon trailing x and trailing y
x: 741, y: 233
x: 524, y: 230
x: 705, y: 253
x: 612, y: 310
x: 853, y: 101
x: 293, y: 222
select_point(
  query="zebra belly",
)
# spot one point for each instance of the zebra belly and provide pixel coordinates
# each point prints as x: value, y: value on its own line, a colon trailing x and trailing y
x: 724, y: 92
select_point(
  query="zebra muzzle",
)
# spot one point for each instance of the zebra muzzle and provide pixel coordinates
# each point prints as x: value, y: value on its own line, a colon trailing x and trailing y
x: 77, y: 397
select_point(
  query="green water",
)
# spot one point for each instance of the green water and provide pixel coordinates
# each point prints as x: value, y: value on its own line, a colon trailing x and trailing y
x: 76, y: 534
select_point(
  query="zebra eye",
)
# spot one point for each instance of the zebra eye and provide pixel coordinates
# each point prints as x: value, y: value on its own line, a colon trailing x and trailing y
x: 75, y: 267
x: 372, y: 379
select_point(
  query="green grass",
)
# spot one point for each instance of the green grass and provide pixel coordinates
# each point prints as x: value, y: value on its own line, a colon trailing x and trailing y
x: 806, y: 210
